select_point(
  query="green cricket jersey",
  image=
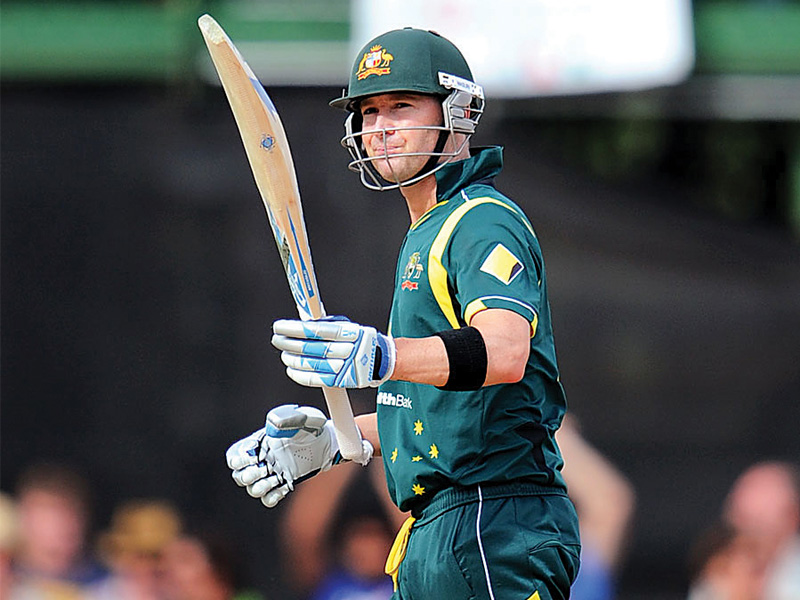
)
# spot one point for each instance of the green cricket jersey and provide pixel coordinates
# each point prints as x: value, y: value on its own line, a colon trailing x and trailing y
x: 473, y: 250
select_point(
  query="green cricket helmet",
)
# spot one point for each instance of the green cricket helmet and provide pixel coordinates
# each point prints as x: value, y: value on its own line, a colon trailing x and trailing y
x: 420, y: 62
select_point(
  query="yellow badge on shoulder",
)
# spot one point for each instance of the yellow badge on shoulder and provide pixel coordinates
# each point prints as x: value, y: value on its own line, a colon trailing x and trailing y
x: 502, y: 264
x: 374, y: 62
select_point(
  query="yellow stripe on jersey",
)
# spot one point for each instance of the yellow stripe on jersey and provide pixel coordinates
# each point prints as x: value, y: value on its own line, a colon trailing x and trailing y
x: 534, y: 596
x: 473, y: 308
x: 502, y: 264
x: 437, y: 274
x: 478, y: 305
x: 426, y: 215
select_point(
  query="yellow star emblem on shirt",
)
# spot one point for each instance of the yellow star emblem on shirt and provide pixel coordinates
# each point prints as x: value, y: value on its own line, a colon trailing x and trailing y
x: 393, y: 457
x: 418, y: 489
x: 416, y: 458
x: 418, y: 427
x: 434, y: 451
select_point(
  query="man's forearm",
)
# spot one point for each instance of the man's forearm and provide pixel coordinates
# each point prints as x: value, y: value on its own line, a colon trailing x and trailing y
x: 368, y: 425
x: 421, y: 360
x: 507, y: 338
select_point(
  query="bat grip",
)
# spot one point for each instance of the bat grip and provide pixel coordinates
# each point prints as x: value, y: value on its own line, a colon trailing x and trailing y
x: 344, y: 424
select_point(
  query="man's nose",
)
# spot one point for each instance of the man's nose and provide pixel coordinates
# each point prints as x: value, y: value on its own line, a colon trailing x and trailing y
x: 382, y: 123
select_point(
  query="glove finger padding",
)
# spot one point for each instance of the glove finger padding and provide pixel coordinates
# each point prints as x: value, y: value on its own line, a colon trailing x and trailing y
x: 265, y: 485
x: 311, y: 378
x: 337, y: 329
x: 322, y: 366
x: 245, y: 452
x: 312, y: 372
x: 306, y: 347
x: 250, y: 474
x: 275, y: 496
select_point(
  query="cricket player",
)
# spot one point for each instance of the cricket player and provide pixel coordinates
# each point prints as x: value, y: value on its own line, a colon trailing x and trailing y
x: 469, y: 396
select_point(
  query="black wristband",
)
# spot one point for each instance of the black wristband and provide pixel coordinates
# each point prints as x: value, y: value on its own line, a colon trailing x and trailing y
x: 466, y: 353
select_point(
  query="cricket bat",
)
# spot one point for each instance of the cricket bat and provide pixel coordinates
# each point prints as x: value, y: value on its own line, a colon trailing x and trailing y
x: 267, y: 149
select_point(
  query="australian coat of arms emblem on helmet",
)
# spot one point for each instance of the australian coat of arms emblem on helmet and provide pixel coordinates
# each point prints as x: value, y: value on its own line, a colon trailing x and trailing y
x: 374, y: 62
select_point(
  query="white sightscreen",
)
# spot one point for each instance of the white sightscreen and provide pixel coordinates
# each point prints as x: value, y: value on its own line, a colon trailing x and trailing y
x: 520, y: 48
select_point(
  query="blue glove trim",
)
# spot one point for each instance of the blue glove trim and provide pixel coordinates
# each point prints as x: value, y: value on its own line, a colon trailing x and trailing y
x: 346, y: 377
x: 274, y: 432
x: 321, y: 366
x: 382, y: 352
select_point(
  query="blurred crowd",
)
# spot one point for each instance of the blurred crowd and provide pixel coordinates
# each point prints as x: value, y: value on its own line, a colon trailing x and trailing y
x: 337, y: 529
x: 146, y: 553
x: 753, y: 551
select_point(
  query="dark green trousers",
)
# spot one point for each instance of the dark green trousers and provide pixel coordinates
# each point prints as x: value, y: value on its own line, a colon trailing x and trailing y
x: 508, y: 542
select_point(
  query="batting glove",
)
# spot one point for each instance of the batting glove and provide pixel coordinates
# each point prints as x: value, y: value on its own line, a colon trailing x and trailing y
x: 297, y: 443
x: 334, y: 352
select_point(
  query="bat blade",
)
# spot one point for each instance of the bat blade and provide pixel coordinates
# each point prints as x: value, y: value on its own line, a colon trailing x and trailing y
x: 268, y: 153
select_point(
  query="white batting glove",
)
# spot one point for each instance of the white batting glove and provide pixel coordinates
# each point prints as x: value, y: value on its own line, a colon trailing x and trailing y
x: 251, y: 471
x: 334, y: 352
x: 297, y: 443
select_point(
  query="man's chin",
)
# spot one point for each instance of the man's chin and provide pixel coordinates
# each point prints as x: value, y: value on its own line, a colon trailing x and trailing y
x: 396, y: 170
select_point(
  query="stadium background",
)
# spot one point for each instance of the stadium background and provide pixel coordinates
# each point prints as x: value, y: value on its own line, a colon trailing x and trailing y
x: 139, y: 280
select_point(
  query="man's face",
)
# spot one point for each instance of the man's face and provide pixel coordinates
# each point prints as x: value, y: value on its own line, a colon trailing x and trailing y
x: 389, y: 116
x: 764, y: 501
x: 53, y: 528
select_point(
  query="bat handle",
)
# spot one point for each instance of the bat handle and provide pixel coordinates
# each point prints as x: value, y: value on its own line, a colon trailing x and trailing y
x: 344, y: 424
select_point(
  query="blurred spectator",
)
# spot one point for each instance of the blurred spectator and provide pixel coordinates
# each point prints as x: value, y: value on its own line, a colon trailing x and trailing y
x: 723, y: 566
x: 203, y: 566
x: 764, y: 504
x: 361, y: 543
x: 8, y: 542
x: 337, y: 534
x: 53, y: 509
x: 132, y: 549
x: 605, y: 502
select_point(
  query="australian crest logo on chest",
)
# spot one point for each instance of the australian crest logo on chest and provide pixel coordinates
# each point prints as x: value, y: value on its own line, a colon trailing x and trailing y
x: 412, y: 272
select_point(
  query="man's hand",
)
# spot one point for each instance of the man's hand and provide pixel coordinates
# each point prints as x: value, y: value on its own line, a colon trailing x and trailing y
x: 297, y: 443
x: 334, y: 352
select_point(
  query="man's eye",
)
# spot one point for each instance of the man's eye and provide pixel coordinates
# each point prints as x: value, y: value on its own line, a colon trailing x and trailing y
x: 368, y: 111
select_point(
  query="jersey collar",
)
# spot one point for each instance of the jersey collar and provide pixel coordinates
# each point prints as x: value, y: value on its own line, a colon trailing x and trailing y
x: 484, y: 163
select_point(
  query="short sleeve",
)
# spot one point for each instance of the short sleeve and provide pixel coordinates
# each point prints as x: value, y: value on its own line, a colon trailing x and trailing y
x: 494, y: 261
